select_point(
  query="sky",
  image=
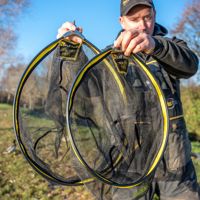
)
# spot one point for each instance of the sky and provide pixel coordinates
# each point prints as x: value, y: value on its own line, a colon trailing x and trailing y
x: 38, y: 25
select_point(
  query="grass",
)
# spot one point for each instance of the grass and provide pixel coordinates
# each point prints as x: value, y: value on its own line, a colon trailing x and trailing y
x: 18, y: 181
x: 196, y: 149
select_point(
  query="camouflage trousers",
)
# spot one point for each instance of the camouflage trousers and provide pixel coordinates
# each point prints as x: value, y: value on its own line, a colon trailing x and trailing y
x: 175, y: 177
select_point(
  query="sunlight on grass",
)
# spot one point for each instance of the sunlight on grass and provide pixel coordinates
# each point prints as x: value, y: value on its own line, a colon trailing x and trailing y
x: 19, y: 181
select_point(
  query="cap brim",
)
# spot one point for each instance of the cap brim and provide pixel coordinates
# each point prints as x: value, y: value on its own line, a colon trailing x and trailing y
x: 129, y: 7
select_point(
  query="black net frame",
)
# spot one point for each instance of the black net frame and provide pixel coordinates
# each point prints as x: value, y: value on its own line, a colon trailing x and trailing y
x: 101, y: 175
x: 37, y: 164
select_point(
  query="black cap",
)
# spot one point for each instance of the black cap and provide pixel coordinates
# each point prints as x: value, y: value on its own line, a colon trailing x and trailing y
x: 127, y: 5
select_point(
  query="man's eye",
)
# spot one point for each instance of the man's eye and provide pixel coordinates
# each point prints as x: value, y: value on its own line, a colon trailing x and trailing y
x: 148, y: 18
x: 134, y: 19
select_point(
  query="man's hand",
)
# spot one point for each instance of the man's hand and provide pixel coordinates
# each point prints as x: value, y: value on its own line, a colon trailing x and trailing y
x: 69, y: 26
x: 133, y: 41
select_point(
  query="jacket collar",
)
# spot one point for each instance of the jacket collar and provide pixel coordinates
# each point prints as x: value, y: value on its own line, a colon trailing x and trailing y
x: 159, y: 30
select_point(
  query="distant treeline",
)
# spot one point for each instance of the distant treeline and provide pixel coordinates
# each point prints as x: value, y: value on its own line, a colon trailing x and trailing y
x: 190, y: 99
x: 6, y: 97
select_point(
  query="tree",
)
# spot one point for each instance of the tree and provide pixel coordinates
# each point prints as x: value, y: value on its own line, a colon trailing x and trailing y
x: 11, y: 78
x: 188, y: 27
x: 9, y: 9
x: 9, y: 83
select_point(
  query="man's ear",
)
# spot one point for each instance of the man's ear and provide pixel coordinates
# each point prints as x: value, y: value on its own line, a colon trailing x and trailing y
x: 121, y: 21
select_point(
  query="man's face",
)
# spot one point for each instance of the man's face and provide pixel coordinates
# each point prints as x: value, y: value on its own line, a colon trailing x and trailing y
x: 141, y: 18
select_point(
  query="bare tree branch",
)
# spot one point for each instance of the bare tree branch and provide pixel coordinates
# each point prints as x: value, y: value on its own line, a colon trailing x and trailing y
x: 9, y: 10
x: 188, y: 28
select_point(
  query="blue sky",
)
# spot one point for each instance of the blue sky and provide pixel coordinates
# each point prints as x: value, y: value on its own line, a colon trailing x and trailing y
x: 38, y: 26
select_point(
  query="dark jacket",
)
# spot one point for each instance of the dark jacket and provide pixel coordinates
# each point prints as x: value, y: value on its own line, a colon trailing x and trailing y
x: 170, y: 61
x: 177, y: 61
x: 174, y: 54
x: 174, y: 60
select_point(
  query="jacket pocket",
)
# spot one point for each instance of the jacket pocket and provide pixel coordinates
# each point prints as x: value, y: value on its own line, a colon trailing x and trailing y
x: 178, y: 150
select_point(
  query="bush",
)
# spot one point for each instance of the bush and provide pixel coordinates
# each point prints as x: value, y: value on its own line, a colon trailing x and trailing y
x: 191, y: 104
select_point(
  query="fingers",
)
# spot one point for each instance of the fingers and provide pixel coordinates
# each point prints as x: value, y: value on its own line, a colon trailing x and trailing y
x: 124, y: 39
x: 146, y: 45
x: 134, y: 42
x: 80, y: 29
x: 69, y: 26
x: 134, y: 46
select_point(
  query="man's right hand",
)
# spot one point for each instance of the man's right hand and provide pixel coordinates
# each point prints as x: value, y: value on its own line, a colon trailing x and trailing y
x: 69, y: 26
x: 134, y: 41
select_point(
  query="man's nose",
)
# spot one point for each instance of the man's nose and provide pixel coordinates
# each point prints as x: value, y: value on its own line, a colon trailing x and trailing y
x: 142, y: 25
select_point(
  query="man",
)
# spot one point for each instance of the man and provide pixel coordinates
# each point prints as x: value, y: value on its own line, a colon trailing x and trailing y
x: 169, y: 60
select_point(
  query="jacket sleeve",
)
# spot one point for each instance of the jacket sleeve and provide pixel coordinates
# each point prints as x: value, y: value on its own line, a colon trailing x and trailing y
x: 178, y: 60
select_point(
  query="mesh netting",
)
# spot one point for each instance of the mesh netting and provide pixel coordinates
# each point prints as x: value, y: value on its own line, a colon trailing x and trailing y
x: 115, y: 113
x: 116, y: 120
x: 41, y: 110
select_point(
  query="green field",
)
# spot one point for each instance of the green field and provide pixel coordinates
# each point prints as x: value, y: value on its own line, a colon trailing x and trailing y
x: 19, y: 181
